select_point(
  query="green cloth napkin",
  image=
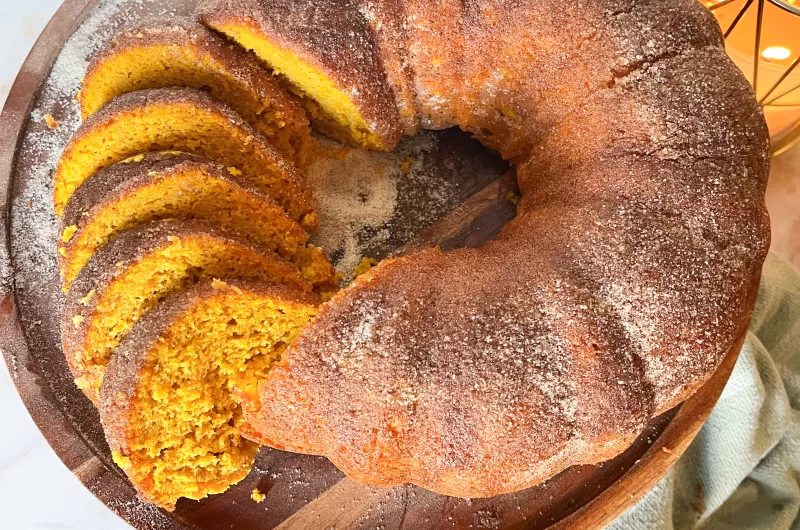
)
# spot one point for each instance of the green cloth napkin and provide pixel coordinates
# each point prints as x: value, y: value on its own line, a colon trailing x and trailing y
x: 743, y: 469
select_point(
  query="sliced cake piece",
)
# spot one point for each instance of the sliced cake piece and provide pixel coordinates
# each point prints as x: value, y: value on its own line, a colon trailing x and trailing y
x: 173, y: 52
x: 180, y: 119
x: 179, y: 185
x: 139, y: 267
x: 331, y: 59
x: 168, y: 402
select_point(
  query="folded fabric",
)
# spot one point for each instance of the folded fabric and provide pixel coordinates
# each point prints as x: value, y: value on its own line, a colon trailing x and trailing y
x: 743, y: 469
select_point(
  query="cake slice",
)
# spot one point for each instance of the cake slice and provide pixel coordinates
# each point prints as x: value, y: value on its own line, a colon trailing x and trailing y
x: 169, y: 398
x: 180, y: 119
x: 139, y: 267
x: 331, y: 59
x: 175, y: 52
x: 179, y: 185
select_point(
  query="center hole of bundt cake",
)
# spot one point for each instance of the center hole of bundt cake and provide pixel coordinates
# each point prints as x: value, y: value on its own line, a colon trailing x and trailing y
x: 436, y: 187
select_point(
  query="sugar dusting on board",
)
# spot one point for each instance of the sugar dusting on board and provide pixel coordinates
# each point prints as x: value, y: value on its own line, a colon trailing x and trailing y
x: 34, y: 241
x: 33, y: 226
x: 370, y: 202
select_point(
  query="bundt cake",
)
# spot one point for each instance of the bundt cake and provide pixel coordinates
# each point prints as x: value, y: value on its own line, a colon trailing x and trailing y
x: 130, y: 274
x: 179, y: 185
x: 182, y: 119
x: 642, y: 157
x: 170, y: 52
x: 168, y: 400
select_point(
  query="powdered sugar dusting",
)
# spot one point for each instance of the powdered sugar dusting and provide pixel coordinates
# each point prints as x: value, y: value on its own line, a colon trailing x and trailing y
x: 370, y: 202
x: 32, y: 264
x: 35, y: 230
x: 355, y: 194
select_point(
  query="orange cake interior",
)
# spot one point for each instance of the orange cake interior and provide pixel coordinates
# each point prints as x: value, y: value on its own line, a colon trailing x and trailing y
x: 158, y: 53
x: 102, y: 306
x: 169, y: 185
x: 331, y: 111
x: 169, y: 401
x: 180, y: 120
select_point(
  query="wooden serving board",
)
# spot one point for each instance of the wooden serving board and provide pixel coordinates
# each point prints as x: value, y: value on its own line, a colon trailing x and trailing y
x: 302, y: 492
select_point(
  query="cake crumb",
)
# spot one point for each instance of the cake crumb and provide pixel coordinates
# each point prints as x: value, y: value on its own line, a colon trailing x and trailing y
x: 132, y: 159
x: 88, y: 298
x: 258, y: 496
x: 405, y: 165
x: 365, y: 265
x: 513, y: 198
x: 51, y: 121
x: 68, y: 232
x: 218, y: 284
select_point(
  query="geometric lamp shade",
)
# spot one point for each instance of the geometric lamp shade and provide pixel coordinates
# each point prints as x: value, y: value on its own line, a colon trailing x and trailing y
x: 763, y: 39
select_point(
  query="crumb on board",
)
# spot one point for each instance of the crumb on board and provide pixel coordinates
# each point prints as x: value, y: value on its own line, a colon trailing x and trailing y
x: 218, y: 284
x: 86, y: 300
x: 51, y: 121
x: 258, y: 496
x: 364, y: 265
x: 405, y: 165
x: 513, y: 198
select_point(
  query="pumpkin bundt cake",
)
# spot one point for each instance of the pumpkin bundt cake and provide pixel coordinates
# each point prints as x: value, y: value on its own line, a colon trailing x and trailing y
x: 168, y: 402
x: 624, y: 280
x: 130, y: 274
x: 182, y: 119
x: 179, y: 185
x: 171, y: 52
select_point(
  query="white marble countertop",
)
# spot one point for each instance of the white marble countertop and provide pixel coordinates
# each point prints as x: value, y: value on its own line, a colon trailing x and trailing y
x: 37, y: 492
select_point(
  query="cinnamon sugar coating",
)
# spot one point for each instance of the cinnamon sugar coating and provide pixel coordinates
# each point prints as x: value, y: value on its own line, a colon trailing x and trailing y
x: 613, y: 295
x: 333, y: 36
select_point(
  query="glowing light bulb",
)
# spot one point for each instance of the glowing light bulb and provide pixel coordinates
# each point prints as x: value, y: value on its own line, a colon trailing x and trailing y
x: 776, y: 53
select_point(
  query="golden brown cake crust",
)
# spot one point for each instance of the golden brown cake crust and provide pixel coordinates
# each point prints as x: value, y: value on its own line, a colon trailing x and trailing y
x: 334, y: 36
x: 296, y: 196
x: 240, y: 70
x: 614, y: 294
